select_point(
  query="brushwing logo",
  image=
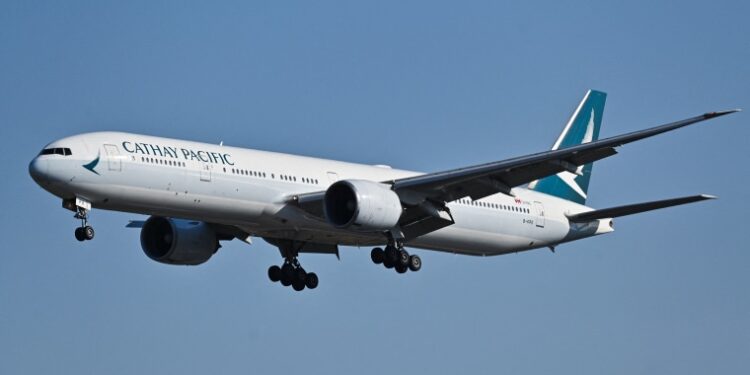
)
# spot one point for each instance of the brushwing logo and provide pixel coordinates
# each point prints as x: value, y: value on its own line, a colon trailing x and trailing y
x: 93, y: 164
x: 570, y: 178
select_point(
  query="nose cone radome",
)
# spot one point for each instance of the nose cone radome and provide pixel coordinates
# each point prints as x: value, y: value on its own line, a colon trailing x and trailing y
x: 39, y: 170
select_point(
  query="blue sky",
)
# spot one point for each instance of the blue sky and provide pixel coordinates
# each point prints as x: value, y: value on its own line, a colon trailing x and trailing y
x: 423, y: 85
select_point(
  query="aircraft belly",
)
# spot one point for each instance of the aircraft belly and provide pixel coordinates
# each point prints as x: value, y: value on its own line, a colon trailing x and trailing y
x: 492, y: 237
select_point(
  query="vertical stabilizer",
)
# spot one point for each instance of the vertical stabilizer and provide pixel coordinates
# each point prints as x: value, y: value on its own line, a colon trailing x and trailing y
x: 583, y: 127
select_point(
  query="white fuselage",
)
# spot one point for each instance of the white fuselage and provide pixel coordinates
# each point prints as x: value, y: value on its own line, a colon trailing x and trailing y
x: 250, y: 189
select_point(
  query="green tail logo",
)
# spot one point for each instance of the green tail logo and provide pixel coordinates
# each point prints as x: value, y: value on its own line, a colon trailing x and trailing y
x: 583, y: 127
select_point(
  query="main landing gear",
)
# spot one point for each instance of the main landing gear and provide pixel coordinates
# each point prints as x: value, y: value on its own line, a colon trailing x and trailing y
x: 396, y: 257
x: 292, y: 273
x: 85, y: 232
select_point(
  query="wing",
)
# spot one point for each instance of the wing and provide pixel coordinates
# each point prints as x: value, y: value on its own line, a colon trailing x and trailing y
x: 499, y: 177
x: 425, y: 196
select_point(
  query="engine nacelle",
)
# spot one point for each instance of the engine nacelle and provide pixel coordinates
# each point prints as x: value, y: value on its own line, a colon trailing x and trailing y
x: 362, y: 205
x: 175, y: 241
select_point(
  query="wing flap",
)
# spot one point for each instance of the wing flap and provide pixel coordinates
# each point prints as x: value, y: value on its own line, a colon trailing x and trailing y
x: 635, y: 208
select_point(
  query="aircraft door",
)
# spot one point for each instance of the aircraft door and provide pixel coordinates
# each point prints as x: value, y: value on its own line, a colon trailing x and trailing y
x: 541, y: 219
x: 114, y: 161
x: 206, y: 172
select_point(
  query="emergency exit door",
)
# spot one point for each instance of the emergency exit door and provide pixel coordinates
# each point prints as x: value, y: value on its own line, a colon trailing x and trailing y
x: 541, y: 219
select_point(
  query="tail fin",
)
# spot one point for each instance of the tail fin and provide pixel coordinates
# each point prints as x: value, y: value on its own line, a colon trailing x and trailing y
x: 583, y: 127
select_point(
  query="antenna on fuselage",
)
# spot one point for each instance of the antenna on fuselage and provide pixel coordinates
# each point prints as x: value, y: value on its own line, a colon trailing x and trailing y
x: 221, y: 143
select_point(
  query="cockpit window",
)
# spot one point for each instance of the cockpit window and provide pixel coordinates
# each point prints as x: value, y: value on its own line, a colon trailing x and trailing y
x: 64, y: 151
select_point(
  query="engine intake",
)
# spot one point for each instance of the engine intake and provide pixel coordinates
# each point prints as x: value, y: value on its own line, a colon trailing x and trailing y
x: 362, y: 205
x: 176, y: 241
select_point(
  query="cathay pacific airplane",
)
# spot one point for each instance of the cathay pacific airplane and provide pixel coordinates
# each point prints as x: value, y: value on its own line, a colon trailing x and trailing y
x: 199, y: 194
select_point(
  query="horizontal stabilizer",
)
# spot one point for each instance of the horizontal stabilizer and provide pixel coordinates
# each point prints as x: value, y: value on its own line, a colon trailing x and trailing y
x: 635, y: 208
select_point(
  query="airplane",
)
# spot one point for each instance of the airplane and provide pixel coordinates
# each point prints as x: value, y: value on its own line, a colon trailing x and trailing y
x: 199, y: 194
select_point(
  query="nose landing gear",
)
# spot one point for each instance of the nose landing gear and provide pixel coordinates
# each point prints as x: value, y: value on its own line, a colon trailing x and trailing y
x: 85, y: 232
x: 81, y: 207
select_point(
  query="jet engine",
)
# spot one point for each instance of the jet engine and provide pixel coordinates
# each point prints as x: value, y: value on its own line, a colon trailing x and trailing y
x: 176, y: 241
x: 362, y: 205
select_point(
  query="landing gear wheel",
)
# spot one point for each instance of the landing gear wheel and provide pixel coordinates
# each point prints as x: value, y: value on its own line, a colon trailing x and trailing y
x: 287, y: 274
x: 311, y: 281
x: 79, y: 234
x: 284, y: 280
x: 388, y: 264
x: 391, y: 254
x: 403, y: 258
x: 300, y: 276
x: 298, y: 285
x: 88, y: 232
x: 401, y: 269
x: 274, y: 273
x: 415, y: 263
x: 287, y: 270
x: 377, y: 255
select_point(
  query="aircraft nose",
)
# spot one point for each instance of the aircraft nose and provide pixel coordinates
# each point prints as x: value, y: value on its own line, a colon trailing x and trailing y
x: 38, y: 169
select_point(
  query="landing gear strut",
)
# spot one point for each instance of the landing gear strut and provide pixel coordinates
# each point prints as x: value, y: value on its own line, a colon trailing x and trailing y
x: 394, y: 256
x: 85, y: 232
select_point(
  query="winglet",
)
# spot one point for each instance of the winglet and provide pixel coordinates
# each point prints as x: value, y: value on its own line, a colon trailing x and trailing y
x: 720, y: 113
